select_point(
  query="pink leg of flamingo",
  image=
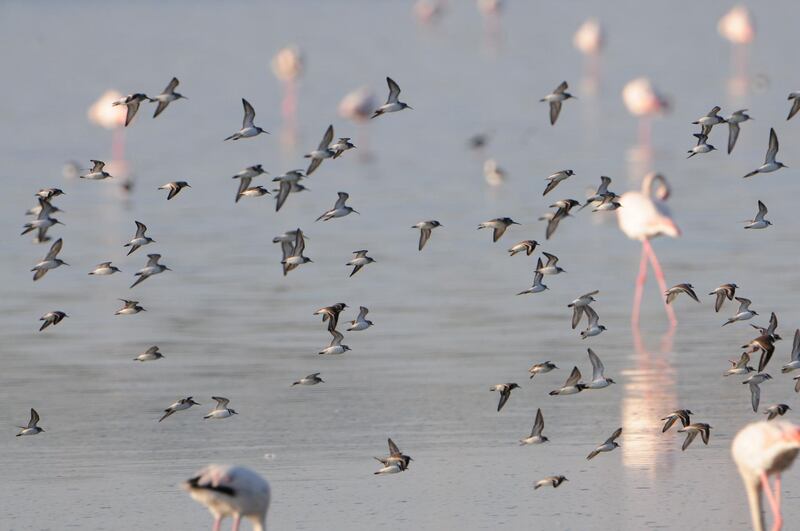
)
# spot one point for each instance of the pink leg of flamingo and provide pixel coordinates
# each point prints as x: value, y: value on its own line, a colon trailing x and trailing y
x: 637, y: 297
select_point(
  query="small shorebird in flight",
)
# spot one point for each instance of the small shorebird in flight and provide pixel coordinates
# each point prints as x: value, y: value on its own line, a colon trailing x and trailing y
x: 132, y: 102
x: 248, y: 129
x: 770, y: 164
x: 555, y: 98
x: 167, y: 96
x: 174, y: 188
x: 31, y: 428
x: 393, y: 104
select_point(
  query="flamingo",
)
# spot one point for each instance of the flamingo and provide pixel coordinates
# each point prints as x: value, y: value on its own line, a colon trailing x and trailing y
x: 737, y: 27
x: 643, y: 101
x: 644, y: 215
x: 231, y: 491
x: 287, y: 65
x: 589, y: 39
x: 762, y: 449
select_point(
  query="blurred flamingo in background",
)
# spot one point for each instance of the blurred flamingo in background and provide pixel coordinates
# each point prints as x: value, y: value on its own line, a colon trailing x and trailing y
x: 287, y: 65
x: 737, y: 27
x: 643, y: 101
x: 104, y: 114
x: 429, y: 11
x: 644, y: 215
x: 590, y: 40
x: 358, y: 106
x: 760, y: 450
x: 490, y: 9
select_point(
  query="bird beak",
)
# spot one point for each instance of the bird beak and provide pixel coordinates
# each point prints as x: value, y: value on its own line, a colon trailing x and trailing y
x: 64, y: 263
x: 409, y: 107
x: 356, y: 211
x: 311, y: 261
x: 168, y: 269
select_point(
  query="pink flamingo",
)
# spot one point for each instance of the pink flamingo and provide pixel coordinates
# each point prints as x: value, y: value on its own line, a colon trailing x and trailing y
x: 760, y: 450
x: 737, y: 27
x: 287, y: 65
x: 643, y: 216
x: 589, y: 39
x: 643, y: 101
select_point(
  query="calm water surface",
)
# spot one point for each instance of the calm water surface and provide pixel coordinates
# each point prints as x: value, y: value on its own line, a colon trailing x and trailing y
x: 447, y: 323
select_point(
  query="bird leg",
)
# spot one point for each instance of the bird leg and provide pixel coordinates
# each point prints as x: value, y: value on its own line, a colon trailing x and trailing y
x: 236, y: 519
x: 778, y: 523
x: 773, y: 502
x: 662, y: 284
x: 217, y: 523
x: 637, y: 297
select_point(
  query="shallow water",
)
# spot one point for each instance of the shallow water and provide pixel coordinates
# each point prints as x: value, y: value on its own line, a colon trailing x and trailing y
x: 447, y: 323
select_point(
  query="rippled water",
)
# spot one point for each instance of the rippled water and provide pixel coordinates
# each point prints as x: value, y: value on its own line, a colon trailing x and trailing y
x: 447, y: 323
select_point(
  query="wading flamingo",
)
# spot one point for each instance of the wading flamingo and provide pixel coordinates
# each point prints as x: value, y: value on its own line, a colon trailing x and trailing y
x: 643, y: 101
x: 231, y: 491
x: 643, y: 216
x: 760, y: 450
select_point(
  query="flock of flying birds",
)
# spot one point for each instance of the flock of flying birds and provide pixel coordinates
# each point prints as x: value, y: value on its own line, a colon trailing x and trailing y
x: 293, y: 246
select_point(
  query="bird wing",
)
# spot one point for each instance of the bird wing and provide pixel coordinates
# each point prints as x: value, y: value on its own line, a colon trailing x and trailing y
x: 552, y: 260
x: 222, y: 402
x: 288, y: 250
x: 561, y: 88
x: 249, y: 114
x: 574, y: 377
x: 555, y: 110
x: 603, y: 188
x: 424, y: 235
x: 704, y: 433
x: 283, y: 192
x: 794, y: 109
x: 299, y: 243
x: 577, y: 313
x: 362, y: 313
x: 505, y: 394
x: 690, y: 292
x: 719, y: 301
x: 244, y: 184
x: 690, y: 436
x: 327, y: 139
x: 132, y: 109
x: 140, y: 229
x: 394, y: 90
x: 762, y: 211
x: 552, y: 225
x: 152, y: 260
x: 538, y: 424
x: 755, y: 395
x: 97, y: 165
x: 54, y: 250
x: 173, y: 84
x: 744, y: 304
x: 343, y: 197
x: 597, y: 365
x: 498, y: 232
x: 591, y: 316
x: 796, y: 345
x: 160, y: 108
x: 733, y: 134
x: 337, y: 338
x: 394, y: 451
x: 670, y: 420
x: 313, y: 165
x: 34, y: 419
x: 614, y: 436
x: 773, y: 147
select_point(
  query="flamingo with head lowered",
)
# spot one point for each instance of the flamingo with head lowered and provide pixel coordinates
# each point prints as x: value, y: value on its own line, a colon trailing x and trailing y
x: 644, y: 215
x: 231, y: 491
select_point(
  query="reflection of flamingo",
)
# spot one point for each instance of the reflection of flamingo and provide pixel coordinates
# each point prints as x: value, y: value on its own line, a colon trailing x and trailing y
x: 643, y: 101
x: 287, y: 65
x: 644, y: 215
x: 762, y: 449
x: 490, y: 9
x: 737, y: 27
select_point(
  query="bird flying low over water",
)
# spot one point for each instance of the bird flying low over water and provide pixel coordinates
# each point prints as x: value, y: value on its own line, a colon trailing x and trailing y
x: 572, y: 385
x: 96, y: 172
x: 248, y: 129
x: 293, y: 254
x: 554, y: 179
x: 677, y: 289
x: 536, y: 436
x: 743, y: 313
x: 174, y: 188
x: 180, y: 405
x: 733, y: 127
x: 498, y: 226
x: 221, y: 410
x: 359, y: 261
x: 550, y: 481
x: 31, y: 428
x: 151, y: 354
x: 50, y: 261
x: 322, y: 152
x: 725, y: 291
x: 794, y: 97
x: 525, y: 245
x: 607, y: 446
x: 537, y: 286
x: 167, y: 96
x: 393, y: 104
x: 555, y: 99
x: 395, y: 456
x: 331, y: 314
x: 770, y: 164
x: 139, y: 239
x: 311, y: 379
x: 759, y: 222
x: 541, y: 368
x: 425, y: 228
x: 51, y: 318
x: 360, y: 322
x: 131, y: 102
x: 679, y: 414
x: 692, y: 430
x: 505, y: 393
x: 151, y: 268
x: 340, y: 209
x: 335, y: 346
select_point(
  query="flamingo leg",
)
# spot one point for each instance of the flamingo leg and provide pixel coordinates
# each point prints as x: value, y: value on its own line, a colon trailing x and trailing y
x: 773, y: 502
x: 217, y: 523
x: 778, y: 523
x: 637, y: 297
x: 236, y: 519
x: 662, y: 284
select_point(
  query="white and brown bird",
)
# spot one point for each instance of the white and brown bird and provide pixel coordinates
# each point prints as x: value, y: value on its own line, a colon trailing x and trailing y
x: 51, y: 318
x: 541, y: 368
x: 425, y: 228
x: 677, y: 289
x: 248, y: 129
x: 311, y: 379
x: 359, y: 261
x: 393, y: 104
x: 759, y: 222
x: 770, y: 164
x: 323, y: 151
x: 536, y: 436
x: 151, y: 354
x: 151, y: 268
x: 498, y: 226
x: 221, y: 410
x: 607, y: 446
x: 743, y: 313
x: 174, y: 188
x: 131, y: 103
x: 179, y: 405
x: 505, y: 393
x: 104, y: 269
x: 679, y: 414
x: 555, y: 99
x: 692, y: 430
x: 167, y: 96
x: 525, y: 245
x: 96, y: 172
x: 572, y: 386
x: 129, y: 308
x: 331, y: 314
x: 550, y: 481
x: 395, y: 456
x: 360, y: 322
x: 725, y: 291
x: 335, y: 346
x: 50, y: 261
x: 340, y: 209
x: 139, y: 239
x: 31, y: 428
